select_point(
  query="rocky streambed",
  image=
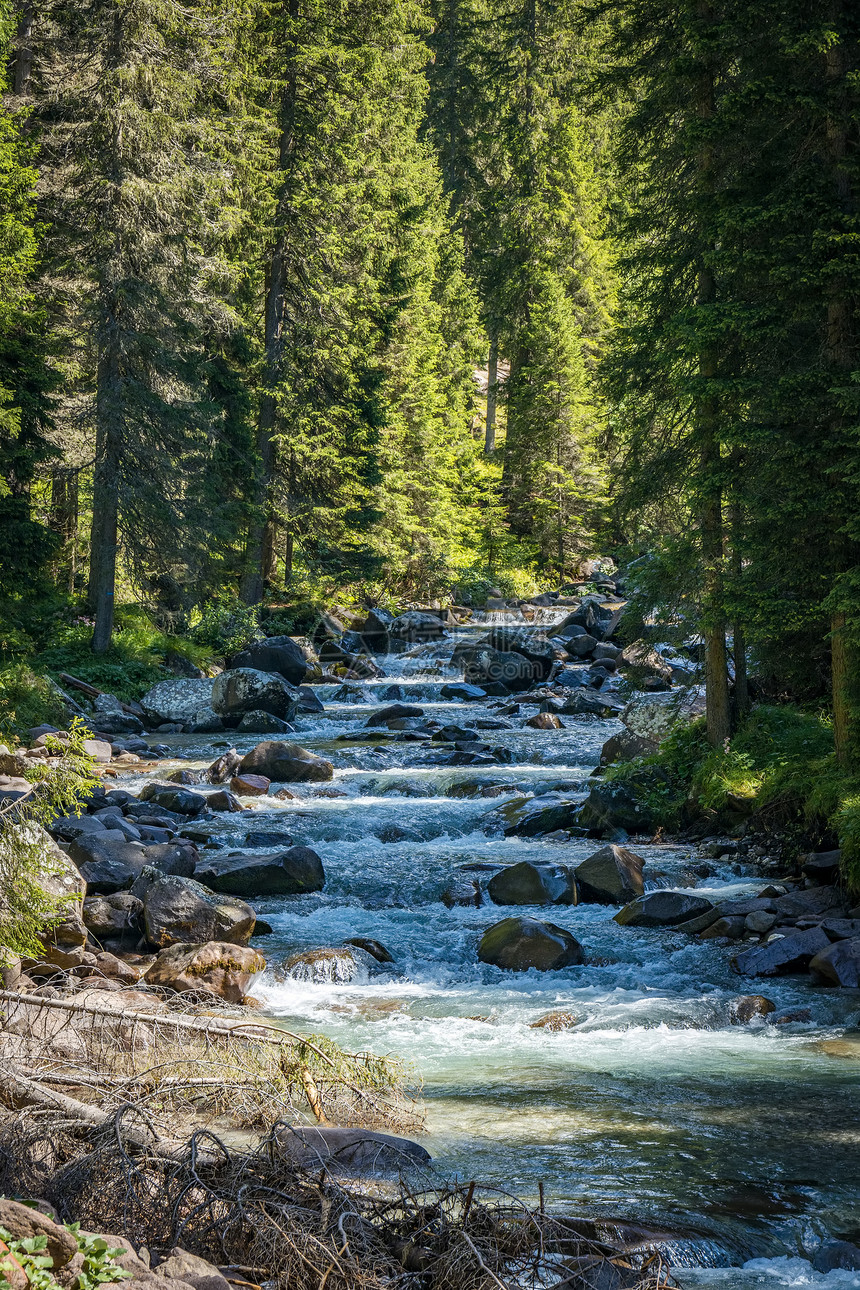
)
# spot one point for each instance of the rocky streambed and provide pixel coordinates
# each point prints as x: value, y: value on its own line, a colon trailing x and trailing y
x: 629, y: 1079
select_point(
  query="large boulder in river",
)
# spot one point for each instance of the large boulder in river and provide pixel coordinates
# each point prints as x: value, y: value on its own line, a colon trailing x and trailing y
x: 533, y: 884
x: 278, y: 654
x: 108, y: 862
x: 482, y: 665
x: 286, y: 763
x: 614, y: 806
x: 394, y: 712
x: 654, y: 716
x: 244, y: 689
x: 625, y: 746
x: 172, y: 797
x: 838, y: 964
x: 282, y: 873
x: 611, y: 876
x: 532, y: 644
x: 177, y: 701
x: 219, y: 967
x: 783, y: 955
x: 180, y: 910
x: 518, y: 944
x: 664, y: 909
x: 416, y: 626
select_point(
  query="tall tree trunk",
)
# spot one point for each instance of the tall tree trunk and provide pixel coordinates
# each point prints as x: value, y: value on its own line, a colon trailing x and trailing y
x: 838, y: 352
x: 492, y: 393
x: 260, y: 548
x: 708, y: 438
x: 24, y: 51
x: 64, y: 522
x: 104, y: 534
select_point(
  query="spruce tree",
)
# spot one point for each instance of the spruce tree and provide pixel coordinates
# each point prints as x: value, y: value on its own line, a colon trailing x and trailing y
x: 138, y: 196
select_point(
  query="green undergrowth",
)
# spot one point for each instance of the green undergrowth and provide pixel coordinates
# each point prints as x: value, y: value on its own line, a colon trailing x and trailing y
x: 99, y: 1265
x: 779, y: 766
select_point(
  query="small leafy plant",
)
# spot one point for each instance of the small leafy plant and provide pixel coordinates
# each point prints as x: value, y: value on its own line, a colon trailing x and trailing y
x: 99, y: 1266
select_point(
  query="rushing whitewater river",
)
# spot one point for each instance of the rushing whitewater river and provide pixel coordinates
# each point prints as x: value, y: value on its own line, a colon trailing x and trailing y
x: 654, y: 1108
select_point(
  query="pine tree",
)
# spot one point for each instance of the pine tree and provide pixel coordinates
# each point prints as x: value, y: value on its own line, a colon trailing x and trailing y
x: 139, y: 200
x: 25, y: 375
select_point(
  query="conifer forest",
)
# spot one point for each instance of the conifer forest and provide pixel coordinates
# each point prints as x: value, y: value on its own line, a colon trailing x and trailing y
x: 430, y: 483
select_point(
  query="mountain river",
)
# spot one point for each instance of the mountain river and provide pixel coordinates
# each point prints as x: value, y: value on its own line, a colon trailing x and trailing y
x: 654, y: 1108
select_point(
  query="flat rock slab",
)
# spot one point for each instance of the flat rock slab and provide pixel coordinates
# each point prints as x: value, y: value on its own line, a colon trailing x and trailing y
x: 663, y: 909
x: 349, y: 1151
x: 782, y: 956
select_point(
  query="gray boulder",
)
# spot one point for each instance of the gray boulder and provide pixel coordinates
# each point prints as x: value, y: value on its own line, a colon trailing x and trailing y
x: 533, y: 884
x: 171, y: 797
x: 394, y: 712
x: 108, y: 863
x: 181, y: 911
x: 286, y: 763
x: 484, y: 666
x: 177, y: 701
x: 518, y: 944
x: 533, y: 645
x: 625, y: 746
x: 245, y: 689
x: 613, y: 806
x: 611, y: 876
x: 783, y: 955
x: 115, y: 915
x: 416, y: 626
x: 586, y: 701
x: 654, y: 716
x: 838, y: 964
x: 284, y: 873
x: 460, y: 692
x: 278, y: 654
x: 664, y: 909
x: 179, y: 1265
x: 264, y: 723
x: 348, y: 1151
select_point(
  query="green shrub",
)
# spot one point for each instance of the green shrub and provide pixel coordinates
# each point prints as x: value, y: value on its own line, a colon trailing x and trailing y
x: 27, y: 909
x: 27, y: 699
x: 226, y: 626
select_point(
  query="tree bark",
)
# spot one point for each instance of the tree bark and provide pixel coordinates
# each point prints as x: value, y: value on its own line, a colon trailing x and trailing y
x: 24, y: 52
x: 707, y: 435
x: 838, y: 352
x: 492, y: 394
x: 260, y: 557
x: 106, y: 478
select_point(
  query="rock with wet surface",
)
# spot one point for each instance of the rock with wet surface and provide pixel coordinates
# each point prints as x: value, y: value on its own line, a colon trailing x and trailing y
x: 394, y: 712
x: 460, y: 692
x: 527, y: 883
x: 286, y: 763
x: 284, y: 873
x: 415, y: 626
x: 244, y: 689
x: 838, y: 964
x: 170, y: 797
x: 837, y: 1254
x: 545, y: 721
x: 663, y: 909
x: 180, y: 910
x: 374, y: 948
x: 782, y: 955
x: 328, y: 965
x: 463, y: 892
x: 218, y: 967
x: 612, y: 807
x: 556, y: 1022
x: 109, y: 863
x: 747, y: 1007
x: 264, y: 723
x: 611, y: 876
x: 278, y: 654
x: 518, y: 944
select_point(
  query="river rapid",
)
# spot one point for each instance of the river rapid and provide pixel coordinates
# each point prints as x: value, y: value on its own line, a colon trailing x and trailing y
x: 654, y: 1108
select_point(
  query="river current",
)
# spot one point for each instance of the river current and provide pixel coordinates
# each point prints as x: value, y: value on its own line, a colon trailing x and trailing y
x: 654, y: 1108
